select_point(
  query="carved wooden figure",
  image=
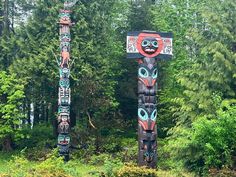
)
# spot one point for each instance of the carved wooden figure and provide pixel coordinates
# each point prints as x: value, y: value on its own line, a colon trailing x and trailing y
x: 64, y: 94
x: 147, y: 47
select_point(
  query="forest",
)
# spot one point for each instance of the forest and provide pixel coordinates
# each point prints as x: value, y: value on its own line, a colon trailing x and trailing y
x: 196, y: 94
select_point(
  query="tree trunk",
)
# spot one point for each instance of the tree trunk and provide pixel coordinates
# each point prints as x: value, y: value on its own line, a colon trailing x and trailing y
x: 7, y: 144
x: 5, y: 17
x: 54, y: 120
x: 1, y: 15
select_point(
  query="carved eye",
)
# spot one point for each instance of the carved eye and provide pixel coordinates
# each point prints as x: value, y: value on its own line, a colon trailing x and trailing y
x: 154, y: 115
x: 155, y: 43
x: 67, y: 138
x: 143, y: 72
x: 142, y: 114
x: 154, y: 74
x: 146, y: 154
x: 145, y: 43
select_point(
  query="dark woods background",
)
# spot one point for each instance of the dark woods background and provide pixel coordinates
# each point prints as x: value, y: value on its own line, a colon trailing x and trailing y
x: 196, y: 96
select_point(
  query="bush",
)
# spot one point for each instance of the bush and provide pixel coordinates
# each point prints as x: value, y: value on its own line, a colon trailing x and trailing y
x: 19, y: 166
x: 99, y: 159
x: 37, y: 153
x: 111, y: 144
x: 111, y: 166
x: 216, y: 139
x: 208, y: 144
x: 225, y: 172
x: 51, y: 167
x: 40, y: 136
x: 129, y: 150
x: 85, y: 150
x: 131, y: 170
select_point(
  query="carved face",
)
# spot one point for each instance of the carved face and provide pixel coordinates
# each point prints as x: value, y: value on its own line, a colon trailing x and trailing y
x: 63, y: 139
x: 64, y: 82
x: 148, y: 156
x: 69, y: 3
x: 64, y: 14
x: 149, y: 45
x: 65, y: 37
x: 64, y: 49
x: 63, y: 109
x: 147, y: 76
x: 147, y: 119
x: 64, y: 73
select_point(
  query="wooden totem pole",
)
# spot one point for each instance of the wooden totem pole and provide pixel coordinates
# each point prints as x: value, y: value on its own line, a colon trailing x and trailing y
x: 64, y: 95
x: 148, y: 47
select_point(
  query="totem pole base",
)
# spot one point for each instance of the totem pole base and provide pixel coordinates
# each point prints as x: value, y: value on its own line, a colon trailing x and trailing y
x: 66, y: 157
x: 147, y: 155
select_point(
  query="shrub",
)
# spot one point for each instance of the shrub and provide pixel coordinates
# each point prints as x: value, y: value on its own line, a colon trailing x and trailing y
x: 37, y: 153
x: 52, y: 165
x: 99, y: 159
x: 40, y: 136
x: 111, y: 166
x: 131, y: 170
x: 18, y: 166
x: 225, y: 172
x: 216, y: 139
x: 85, y: 150
x: 209, y: 143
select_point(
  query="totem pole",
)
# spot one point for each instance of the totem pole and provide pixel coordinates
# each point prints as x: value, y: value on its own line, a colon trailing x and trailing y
x: 64, y: 96
x: 147, y: 47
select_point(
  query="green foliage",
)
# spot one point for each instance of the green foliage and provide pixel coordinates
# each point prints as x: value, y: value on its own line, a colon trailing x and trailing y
x: 197, y: 88
x: 111, y: 166
x: 51, y: 166
x: 40, y: 136
x: 11, y: 113
x: 99, y: 159
x: 196, y: 93
x: 130, y: 170
x: 209, y: 143
x: 20, y: 166
x: 225, y: 172
x: 129, y: 150
x: 216, y: 139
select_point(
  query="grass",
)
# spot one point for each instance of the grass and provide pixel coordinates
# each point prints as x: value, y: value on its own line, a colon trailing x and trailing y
x: 4, y: 159
x: 19, y: 166
x: 7, y: 162
x: 173, y: 173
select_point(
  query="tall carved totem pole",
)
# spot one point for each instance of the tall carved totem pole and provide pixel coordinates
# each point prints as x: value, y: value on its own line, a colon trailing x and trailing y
x: 148, y: 47
x: 64, y: 96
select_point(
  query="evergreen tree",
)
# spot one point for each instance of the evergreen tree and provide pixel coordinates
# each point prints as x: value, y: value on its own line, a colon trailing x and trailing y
x: 207, y: 81
x: 11, y: 113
